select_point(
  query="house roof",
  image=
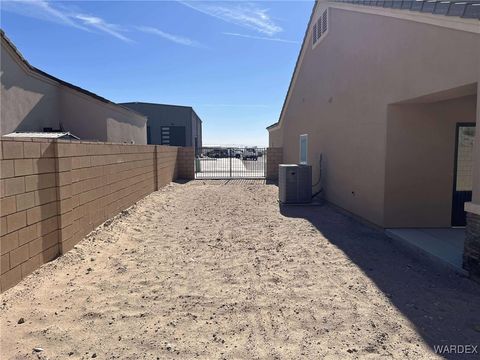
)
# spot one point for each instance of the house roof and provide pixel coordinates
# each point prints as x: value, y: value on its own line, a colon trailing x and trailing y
x: 155, y: 104
x: 42, y: 135
x: 467, y: 9
x: 62, y: 82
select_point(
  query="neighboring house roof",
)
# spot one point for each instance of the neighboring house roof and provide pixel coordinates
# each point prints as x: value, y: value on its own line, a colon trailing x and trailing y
x: 62, y: 82
x: 157, y: 104
x: 43, y: 135
x: 469, y: 10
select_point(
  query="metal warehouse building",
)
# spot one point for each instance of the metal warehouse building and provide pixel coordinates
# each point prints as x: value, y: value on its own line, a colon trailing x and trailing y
x: 174, y: 125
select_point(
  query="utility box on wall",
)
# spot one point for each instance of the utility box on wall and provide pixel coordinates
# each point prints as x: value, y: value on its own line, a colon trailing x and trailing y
x: 294, y: 184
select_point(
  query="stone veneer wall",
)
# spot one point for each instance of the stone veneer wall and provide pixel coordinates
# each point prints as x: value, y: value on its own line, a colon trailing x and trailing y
x: 55, y: 192
x: 274, y: 158
x: 471, y: 254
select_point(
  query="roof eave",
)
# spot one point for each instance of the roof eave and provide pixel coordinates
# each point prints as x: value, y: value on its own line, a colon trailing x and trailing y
x: 273, y: 126
x: 60, y: 81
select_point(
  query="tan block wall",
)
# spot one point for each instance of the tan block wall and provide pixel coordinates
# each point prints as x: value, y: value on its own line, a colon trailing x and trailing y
x: 186, y: 163
x: 167, y: 168
x: 53, y: 193
x: 96, y: 181
x: 28, y: 208
x: 274, y: 158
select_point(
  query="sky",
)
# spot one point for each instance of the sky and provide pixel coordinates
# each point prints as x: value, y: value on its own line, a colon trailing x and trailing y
x: 231, y: 61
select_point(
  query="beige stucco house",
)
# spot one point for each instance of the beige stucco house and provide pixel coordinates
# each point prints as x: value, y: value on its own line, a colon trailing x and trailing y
x: 32, y: 101
x: 388, y: 99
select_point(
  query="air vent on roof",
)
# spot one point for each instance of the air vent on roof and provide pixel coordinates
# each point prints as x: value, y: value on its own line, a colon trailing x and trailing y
x: 320, y: 28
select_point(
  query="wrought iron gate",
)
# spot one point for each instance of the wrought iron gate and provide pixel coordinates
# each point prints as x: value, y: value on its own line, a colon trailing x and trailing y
x: 231, y: 163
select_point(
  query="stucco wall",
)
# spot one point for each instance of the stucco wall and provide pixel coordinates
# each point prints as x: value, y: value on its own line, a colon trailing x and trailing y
x: 91, y: 119
x: 275, y: 138
x: 31, y: 101
x: 420, y: 161
x: 27, y: 102
x: 126, y: 129
x: 344, y: 85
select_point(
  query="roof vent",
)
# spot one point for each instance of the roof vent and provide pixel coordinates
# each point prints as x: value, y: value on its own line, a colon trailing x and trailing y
x: 320, y: 28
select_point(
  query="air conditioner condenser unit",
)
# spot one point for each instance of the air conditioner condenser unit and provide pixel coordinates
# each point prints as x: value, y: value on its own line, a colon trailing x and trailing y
x: 294, y: 183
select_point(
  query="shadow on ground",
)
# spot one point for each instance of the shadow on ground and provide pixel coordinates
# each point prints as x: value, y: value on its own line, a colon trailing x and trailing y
x: 423, y: 291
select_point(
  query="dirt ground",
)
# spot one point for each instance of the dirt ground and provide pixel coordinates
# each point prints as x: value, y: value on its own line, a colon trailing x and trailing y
x: 215, y: 270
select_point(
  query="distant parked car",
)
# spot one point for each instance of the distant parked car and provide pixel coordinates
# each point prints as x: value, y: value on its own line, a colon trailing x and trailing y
x: 218, y: 153
x: 250, y: 154
x: 214, y: 153
x: 237, y: 153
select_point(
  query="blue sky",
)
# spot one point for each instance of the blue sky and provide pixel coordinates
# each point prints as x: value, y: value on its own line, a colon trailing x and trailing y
x: 231, y: 61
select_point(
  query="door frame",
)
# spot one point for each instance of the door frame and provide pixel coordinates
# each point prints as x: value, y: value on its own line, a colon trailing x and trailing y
x: 458, y: 125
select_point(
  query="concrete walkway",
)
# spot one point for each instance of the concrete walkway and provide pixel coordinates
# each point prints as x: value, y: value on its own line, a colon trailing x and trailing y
x: 443, y: 245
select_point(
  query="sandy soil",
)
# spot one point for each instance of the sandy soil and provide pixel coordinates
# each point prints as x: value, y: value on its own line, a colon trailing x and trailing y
x: 212, y: 271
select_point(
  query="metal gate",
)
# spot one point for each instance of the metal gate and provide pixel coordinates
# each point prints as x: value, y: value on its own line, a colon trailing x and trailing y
x: 231, y: 163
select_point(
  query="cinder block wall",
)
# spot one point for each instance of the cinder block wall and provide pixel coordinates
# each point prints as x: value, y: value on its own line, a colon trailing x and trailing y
x: 274, y: 158
x: 186, y: 164
x: 167, y: 167
x: 53, y: 193
x: 96, y: 181
x: 28, y: 208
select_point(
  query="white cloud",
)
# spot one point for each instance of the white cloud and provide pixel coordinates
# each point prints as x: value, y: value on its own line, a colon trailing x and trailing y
x: 170, y: 37
x: 261, y: 38
x: 247, y: 15
x: 48, y: 11
x: 102, y: 25
x: 39, y: 9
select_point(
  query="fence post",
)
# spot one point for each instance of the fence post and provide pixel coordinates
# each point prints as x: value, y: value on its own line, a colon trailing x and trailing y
x: 155, y: 167
x: 230, y: 156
